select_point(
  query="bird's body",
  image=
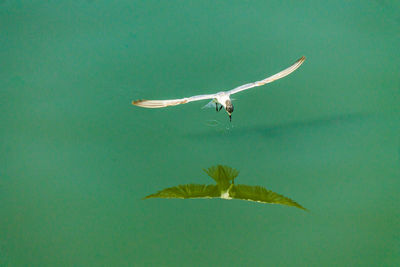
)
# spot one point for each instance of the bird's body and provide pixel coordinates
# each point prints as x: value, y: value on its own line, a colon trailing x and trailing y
x: 222, y: 98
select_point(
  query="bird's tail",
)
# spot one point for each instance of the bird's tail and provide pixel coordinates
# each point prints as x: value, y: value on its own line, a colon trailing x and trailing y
x: 211, y: 104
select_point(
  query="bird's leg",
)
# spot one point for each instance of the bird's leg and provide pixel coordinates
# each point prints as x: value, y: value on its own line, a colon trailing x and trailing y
x: 216, y: 107
x: 220, y: 108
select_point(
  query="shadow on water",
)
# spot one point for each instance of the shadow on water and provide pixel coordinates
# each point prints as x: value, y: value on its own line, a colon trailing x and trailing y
x: 275, y: 130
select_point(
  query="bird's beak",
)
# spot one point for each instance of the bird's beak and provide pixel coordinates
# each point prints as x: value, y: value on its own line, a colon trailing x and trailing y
x: 230, y: 117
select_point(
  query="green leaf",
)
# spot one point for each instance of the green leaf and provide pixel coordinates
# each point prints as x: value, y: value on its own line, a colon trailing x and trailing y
x: 188, y: 191
x: 261, y: 194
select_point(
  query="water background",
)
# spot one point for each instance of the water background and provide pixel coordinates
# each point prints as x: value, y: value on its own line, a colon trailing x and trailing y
x: 77, y: 158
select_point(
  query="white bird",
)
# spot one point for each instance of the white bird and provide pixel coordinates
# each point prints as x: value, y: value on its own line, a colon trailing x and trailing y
x: 222, y: 98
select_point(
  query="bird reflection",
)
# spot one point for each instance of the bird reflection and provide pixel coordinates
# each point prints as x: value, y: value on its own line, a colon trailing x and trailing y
x: 225, y: 188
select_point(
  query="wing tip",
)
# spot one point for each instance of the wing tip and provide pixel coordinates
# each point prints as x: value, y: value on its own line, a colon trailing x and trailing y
x: 302, y: 59
x: 138, y: 102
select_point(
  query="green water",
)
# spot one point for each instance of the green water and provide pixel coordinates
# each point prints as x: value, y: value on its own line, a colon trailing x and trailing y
x: 77, y: 158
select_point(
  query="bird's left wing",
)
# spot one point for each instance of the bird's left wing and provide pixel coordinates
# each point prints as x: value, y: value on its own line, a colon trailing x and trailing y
x: 188, y: 191
x: 270, y: 79
x: 172, y: 102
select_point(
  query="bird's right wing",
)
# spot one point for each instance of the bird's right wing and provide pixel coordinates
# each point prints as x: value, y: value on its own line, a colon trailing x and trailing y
x: 172, y: 102
x: 262, y: 195
x: 270, y: 79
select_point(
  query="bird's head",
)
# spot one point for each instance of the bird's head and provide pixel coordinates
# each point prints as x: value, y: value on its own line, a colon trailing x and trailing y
x: 229, y: 108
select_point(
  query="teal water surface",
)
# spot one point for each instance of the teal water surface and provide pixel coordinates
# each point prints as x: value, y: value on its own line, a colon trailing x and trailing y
x: 77, y: 158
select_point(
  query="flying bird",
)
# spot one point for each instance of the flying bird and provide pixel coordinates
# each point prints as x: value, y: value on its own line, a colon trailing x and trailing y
x: 225, y: 188
x: 222, y: 98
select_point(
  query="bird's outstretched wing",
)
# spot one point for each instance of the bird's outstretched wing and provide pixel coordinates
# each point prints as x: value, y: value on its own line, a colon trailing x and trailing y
x: 262, y: 195
x: 275, y: 77
x: 172, y: 102
x: 187, y: 191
